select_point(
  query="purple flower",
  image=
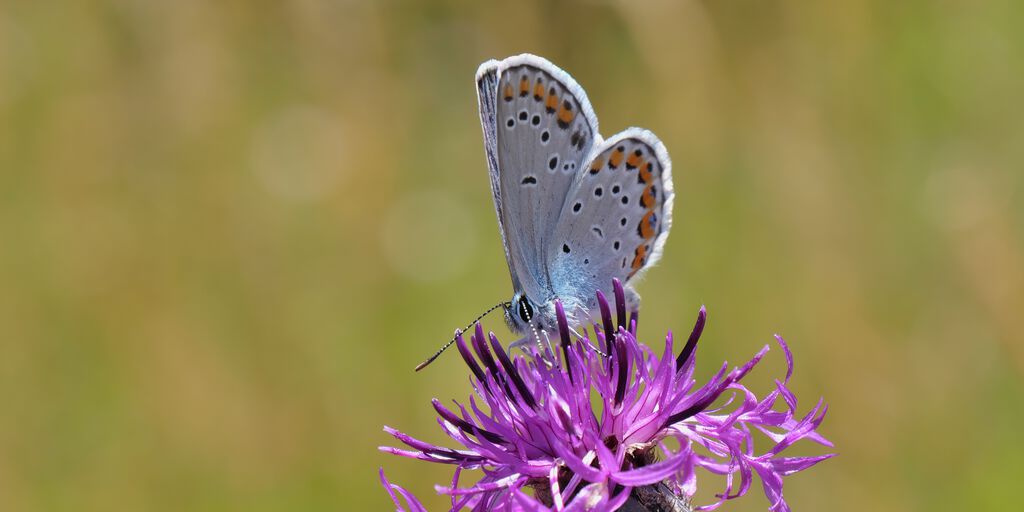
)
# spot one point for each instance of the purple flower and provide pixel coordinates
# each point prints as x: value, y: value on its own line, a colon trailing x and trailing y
x: 578, y: 429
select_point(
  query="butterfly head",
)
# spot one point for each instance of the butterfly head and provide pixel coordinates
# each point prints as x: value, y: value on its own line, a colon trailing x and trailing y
x: 523, y: 314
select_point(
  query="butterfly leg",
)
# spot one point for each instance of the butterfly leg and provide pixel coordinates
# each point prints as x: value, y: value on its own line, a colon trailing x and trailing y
x: 534, y: 337
x: 583, y: 336
x: 525, y: 342
x: 522, y: 343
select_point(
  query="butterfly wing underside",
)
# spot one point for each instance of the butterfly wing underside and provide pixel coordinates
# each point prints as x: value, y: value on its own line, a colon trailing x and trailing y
x: 539, y: 129
x: 616, y: 218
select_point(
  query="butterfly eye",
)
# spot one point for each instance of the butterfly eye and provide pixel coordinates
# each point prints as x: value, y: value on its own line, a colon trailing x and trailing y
x: 525, y: 310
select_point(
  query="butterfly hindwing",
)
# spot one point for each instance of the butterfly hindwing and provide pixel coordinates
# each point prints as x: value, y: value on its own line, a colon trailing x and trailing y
x: 616, y: 217
x: 539, y: 129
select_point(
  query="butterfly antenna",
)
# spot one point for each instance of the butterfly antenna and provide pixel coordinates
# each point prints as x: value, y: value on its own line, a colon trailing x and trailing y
x: 459, y: 332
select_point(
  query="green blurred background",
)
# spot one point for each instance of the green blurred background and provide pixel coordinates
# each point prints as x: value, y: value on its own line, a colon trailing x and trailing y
x: 229, y: 230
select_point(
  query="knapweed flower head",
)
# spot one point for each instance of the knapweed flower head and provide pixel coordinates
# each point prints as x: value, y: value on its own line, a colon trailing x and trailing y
x: 588, y: 428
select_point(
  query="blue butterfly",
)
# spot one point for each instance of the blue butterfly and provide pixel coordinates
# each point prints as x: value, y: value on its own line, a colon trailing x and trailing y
x: 574, y: 210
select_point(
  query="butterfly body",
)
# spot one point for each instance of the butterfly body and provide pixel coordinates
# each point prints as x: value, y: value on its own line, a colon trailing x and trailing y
x: 574, y: 210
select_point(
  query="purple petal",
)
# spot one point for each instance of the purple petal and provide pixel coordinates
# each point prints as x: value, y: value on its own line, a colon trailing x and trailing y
x: 480, y: 346
x: 467, y: 356
x: 787, y: 395
x: 463, y: 424
x: 427, y: 448
x: 591, y: 498
x: 606, y: 320
x: 691, y: 342
x: 786, y: 466
x: 556, y: 491
x: 621, y: 369
x: 651, y: 474
x: 563, y: 331
x: 410, y: 499
x: 526, y: 503
x: 789, y: 357
x: 501, y: 483
x: 512, y: 372
x: 620, y: 303
x: 608, y: 461
x: 741, y: 372
x: 579, y: 467
x: 772, y: 484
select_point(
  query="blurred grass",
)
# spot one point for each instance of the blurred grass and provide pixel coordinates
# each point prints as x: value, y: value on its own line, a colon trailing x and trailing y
x: 229, y: 230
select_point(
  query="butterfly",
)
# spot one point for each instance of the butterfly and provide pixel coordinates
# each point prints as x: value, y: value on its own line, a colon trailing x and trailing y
x: 574, y: 210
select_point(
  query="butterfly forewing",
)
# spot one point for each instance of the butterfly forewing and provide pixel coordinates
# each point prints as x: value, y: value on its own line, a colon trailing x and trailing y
x: 616, y: 216
x: 539, y: 129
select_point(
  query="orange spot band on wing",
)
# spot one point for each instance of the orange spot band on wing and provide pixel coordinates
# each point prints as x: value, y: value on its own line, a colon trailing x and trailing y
x: 552, y: 101
x: 596, y: 166
x: 538, y: 91
x: 645, y: 173
x: 646, y: 227
x: 634, y: 161
x: 615, y: 159
x: 507, y: 93
x: 524, y: 87
x: 639, y: 258
x: 565, y: 116
x: 647, y: 199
